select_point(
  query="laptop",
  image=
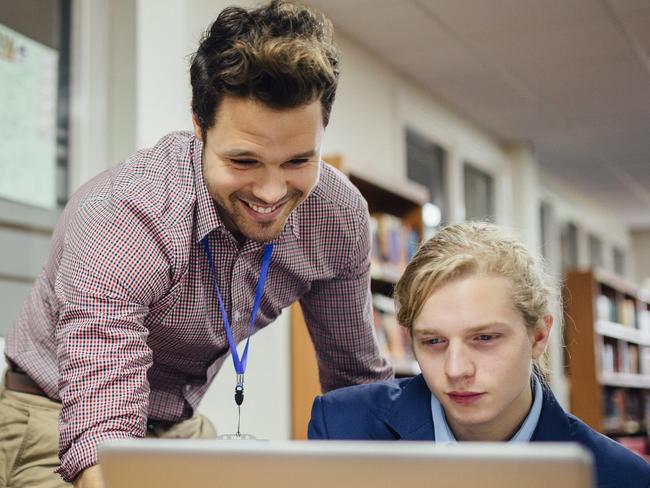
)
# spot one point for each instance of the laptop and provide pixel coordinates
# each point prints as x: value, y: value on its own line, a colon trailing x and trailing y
x: 150, y: 463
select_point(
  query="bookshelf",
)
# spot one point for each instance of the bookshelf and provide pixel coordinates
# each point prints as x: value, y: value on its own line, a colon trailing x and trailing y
x: 397, y: 229
x: 607, y: 322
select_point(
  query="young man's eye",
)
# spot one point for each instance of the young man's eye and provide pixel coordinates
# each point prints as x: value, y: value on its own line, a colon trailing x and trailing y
x: 485, y: 337
x: 433, y: 341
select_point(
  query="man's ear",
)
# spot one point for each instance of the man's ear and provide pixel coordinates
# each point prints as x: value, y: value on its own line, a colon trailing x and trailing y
x: 540, y: 335
x: 197, y: 128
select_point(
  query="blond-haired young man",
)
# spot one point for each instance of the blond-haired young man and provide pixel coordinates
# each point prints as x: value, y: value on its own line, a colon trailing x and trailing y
x: 476, y: 303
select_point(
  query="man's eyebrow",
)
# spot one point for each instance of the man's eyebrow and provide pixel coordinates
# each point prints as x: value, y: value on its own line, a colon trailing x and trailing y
x: 306, y: 154
x: 239, y: 153
x: 470, y: 330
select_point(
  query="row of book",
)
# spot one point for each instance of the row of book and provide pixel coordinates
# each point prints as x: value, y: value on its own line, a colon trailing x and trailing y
x: 393, y: 240
x: 619, y: 356
x: 626, y: 410
x: 625, y: 311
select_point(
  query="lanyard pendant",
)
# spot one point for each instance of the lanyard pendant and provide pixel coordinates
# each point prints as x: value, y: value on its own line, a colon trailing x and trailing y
x: 239, y: 390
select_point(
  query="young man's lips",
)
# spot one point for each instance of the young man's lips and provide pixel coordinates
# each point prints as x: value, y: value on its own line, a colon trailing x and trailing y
x: 465, y: 397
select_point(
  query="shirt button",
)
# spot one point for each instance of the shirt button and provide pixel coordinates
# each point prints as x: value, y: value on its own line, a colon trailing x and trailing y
x: 237, y: 315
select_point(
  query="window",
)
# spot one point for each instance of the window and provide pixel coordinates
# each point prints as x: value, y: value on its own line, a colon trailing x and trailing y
x: 31, y: 30
x: 569, y: 245
x: 546, y: 220
x: 619, y: 261
x: 595, y: 251
x: 426, y: 164
x: 479, y: 194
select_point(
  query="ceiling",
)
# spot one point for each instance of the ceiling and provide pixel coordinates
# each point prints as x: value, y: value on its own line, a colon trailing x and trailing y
x: 571, y: 77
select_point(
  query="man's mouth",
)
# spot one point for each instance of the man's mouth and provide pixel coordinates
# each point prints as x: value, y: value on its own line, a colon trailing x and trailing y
x: 263, y: 210
x: 264, y: 213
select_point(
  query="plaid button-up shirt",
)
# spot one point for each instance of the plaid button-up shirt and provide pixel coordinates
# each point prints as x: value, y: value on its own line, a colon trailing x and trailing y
x: 123, y: 324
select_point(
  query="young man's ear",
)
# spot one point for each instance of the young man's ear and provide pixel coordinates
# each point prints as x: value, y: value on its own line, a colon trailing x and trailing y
x: 540, y: 335
x: 197, y: 128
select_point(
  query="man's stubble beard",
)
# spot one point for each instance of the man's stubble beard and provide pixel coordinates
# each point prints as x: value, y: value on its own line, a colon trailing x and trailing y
x: 240, y: 224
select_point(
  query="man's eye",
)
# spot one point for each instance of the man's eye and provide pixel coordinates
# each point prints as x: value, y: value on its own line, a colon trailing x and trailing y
x: 297, y: 162
x: 243, y: 162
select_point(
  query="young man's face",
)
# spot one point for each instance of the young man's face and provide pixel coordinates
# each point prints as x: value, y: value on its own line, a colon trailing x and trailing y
x: 260, y: 163
x: 476, y: 356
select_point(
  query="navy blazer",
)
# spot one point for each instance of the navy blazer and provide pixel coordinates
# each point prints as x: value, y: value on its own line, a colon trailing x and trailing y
x: 401, y: 410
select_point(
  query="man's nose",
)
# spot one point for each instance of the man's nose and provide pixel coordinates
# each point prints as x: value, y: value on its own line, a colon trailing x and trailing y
x: 271, y: 186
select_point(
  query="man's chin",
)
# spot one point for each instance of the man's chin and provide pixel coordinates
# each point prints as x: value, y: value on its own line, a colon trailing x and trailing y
x: 262, y: 235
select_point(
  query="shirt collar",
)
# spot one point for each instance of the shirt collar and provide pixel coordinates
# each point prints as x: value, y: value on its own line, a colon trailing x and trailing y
x: 207, y: 216
x: 525, y: 433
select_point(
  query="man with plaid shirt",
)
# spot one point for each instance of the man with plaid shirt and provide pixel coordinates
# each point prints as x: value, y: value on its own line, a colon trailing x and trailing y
x: 122, y: 333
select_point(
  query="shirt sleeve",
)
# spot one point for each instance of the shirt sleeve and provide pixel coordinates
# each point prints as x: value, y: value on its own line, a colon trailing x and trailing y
x: 339, y: 318
x: 115, y: 263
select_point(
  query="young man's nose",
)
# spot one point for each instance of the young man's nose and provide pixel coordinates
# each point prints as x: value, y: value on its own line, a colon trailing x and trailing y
x: 458, y: 362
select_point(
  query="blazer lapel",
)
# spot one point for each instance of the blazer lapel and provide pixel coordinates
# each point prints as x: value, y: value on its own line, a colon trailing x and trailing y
x: 410, y: 415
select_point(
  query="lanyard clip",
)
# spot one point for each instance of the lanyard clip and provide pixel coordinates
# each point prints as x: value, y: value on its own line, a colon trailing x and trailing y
x: 239, y: 390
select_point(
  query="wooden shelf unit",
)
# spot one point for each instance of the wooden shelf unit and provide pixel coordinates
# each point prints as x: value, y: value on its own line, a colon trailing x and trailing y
x: 607, y: 324
x: 402, y: 199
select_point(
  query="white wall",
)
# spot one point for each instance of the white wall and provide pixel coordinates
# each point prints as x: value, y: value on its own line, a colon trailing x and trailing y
x: 164, y: 42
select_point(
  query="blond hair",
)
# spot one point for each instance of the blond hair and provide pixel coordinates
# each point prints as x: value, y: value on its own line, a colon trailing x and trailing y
x: 477, y: 248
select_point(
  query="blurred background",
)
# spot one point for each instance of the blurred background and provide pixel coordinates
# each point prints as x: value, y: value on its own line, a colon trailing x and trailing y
x: 534, y: 114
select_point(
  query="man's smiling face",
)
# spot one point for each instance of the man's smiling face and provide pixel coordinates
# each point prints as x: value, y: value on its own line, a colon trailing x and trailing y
x: 260, y: 163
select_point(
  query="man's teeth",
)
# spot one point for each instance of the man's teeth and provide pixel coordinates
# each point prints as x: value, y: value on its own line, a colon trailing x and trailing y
x: 262, y: 210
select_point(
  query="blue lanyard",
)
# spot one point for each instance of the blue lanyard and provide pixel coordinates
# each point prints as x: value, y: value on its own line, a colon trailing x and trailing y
x: 240, y: 364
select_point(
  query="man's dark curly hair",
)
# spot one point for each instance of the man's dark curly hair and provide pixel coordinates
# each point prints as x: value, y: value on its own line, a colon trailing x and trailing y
x: 281, y: 54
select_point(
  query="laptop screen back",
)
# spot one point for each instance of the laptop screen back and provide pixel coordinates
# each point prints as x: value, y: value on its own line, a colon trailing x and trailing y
x: 342, y: 464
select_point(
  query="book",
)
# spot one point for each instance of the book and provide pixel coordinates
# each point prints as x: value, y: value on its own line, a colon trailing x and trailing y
x: 393, y: 240
x: 603, y: 307
x: 627, y: 312
x: 633, y: 352
x: 614, y: 408
x: 607, y: 358
x: 644, y: 320
x: 644, y: 360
